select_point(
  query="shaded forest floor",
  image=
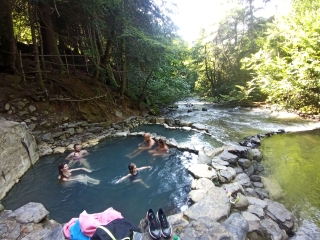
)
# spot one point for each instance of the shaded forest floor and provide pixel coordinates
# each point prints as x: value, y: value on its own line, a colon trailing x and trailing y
x: 67, y: 99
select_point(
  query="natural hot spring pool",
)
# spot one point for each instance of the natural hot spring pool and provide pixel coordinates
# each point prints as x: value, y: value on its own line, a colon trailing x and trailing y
x: 168, y: 179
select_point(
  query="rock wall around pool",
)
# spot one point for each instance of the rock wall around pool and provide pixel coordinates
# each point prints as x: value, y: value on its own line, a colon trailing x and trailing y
x: 18, y: 150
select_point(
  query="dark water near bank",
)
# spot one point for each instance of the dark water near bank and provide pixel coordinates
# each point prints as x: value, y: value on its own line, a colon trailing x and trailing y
x: 292, y: 159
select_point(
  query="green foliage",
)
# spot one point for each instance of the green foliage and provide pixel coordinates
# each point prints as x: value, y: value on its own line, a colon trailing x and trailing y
x: 287, y: 67
x: 217, y: 55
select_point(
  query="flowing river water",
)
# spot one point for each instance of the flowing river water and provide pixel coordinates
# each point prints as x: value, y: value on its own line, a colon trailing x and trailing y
x: 291, y: 159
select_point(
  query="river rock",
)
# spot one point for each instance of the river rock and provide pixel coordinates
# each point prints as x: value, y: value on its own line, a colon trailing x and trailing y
x: 255, y: 154
x: 59, y: 150
x: 242, y: 203
x: 47, y: 138
x: 262, y: 193
x: 94, y: 129
x: 30, y: 212
x: 197, y: 195
x: 244, y: 163
x: 44, y: 149
x: 218, y: 167
x: 243, y: 179
x: 205, y: 229
x: 257, y: 184
x: 238, y: 170
x: 278, y: 213
x: 228, y: 157
x: 237, y: 226
x: 273, y: 230
x: 249, y: 171
x: 255, y: 178
x: 215, y: 152
x: 177, y: 222
x: 226, y: 175
x: 57, y: 134
x: 257, y: 166
x: 214, y: 206
x: 257, y: 202
x: 253, y: 221
x: 160, y: 120
x: 202, y: 183
x: 32, y: 108
x: 202, y: 171
x: 256, y: 210
x: 219, y: 162
x: 18, y: 151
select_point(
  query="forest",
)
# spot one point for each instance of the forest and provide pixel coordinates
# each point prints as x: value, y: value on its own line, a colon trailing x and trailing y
x: 132, y: 48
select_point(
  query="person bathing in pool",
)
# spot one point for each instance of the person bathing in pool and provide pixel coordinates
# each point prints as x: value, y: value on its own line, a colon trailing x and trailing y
x: 162, y: 148
x: 134, y: 174
x: 77, y: 155
x: 145, y: 145
x: 65, y: 174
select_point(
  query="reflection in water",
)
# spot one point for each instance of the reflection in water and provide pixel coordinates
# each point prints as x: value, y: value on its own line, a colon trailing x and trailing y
x: 293, y: 159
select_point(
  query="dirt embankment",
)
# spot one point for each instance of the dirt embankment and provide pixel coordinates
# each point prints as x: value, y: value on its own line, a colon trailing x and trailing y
x: 66, y: 99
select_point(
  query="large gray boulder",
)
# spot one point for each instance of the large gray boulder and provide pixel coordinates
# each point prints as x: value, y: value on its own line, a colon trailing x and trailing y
x: 237, y: 226
x: 278, y: 213
x: 273, y: 230
x: 18, y: 151
x: 30, y: 213
x: 228, y: 157
x: 214, y: 206
x: 243, y: 179
x: 202, y: 171
x: 204, y: 228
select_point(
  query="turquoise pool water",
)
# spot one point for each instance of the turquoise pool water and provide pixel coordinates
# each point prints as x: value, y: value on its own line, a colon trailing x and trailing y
x: 168, y: 179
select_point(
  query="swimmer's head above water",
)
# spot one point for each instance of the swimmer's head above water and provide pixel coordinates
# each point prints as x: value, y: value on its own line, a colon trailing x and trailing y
x: 77, y: 147
x: 132, y: 168
x: 61, y: 168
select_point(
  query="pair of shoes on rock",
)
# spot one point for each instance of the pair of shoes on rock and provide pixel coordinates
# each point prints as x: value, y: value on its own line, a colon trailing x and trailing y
x: 158, y: 224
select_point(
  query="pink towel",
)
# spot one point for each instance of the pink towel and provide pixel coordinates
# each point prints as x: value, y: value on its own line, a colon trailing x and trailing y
x: 67, y: 226
x: 89, y: 222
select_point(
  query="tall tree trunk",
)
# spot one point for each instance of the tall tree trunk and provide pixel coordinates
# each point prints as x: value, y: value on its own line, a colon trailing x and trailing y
x: 123, y: 68
x: 105, y: 61
x: 123, y: 58
x: 50, y: 46
x: 7, y: 39
x: 35, y: 47
x: 144, y: 88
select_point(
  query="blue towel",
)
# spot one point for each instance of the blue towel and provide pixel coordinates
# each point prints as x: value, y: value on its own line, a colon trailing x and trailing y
x: 75, y: 232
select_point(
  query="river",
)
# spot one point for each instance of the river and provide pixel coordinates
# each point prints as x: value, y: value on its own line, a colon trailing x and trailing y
x: 291, y: 159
